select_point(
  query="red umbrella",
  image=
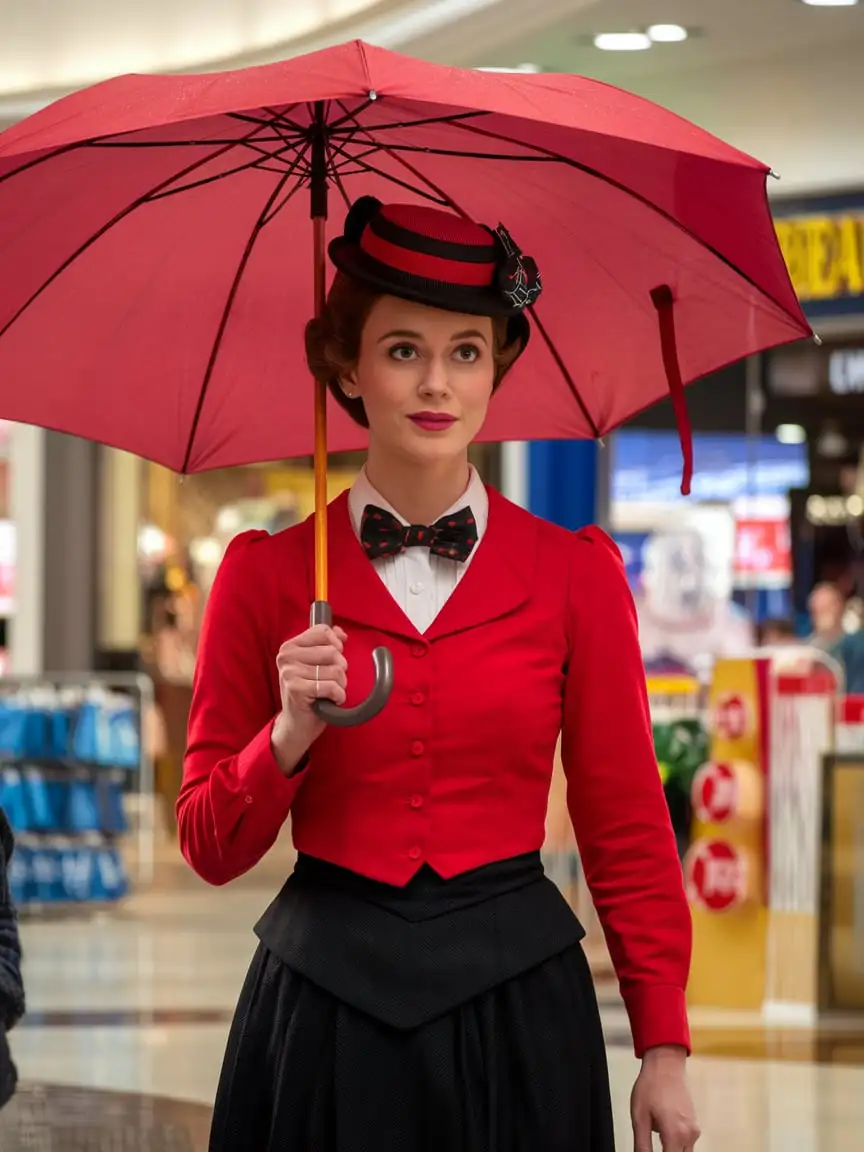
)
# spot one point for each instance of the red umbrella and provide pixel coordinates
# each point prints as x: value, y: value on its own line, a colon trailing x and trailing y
x: 158, y: 262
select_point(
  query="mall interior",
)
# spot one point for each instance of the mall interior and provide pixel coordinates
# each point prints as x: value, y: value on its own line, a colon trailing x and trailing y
x: 131, y: 963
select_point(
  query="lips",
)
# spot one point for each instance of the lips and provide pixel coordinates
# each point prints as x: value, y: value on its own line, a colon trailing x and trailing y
x: 433, y: 421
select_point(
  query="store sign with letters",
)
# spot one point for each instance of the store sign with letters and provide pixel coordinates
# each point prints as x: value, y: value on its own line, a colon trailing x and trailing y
x: 823, y: 244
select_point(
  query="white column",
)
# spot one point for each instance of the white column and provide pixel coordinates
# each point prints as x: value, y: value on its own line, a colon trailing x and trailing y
x: 515, y: 472
x: 27, y: 500
x: 119, y: 583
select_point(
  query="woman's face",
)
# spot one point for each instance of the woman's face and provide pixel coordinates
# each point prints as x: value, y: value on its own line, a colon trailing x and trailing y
x: 425, y: 377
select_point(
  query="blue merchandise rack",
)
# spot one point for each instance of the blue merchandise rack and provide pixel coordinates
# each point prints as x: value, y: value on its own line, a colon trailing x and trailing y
x: 72, y: 754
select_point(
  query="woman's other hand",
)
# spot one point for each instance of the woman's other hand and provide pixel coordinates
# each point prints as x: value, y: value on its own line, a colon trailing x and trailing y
x: 311, y: 667
x: 661, y: 1103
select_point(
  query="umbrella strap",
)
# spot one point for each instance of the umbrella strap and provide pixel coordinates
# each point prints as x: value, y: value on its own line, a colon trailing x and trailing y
x: 664, y: 303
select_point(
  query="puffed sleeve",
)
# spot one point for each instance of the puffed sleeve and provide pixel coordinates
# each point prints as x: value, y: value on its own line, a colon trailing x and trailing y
x: 234, y: 799
x: 616, y: 801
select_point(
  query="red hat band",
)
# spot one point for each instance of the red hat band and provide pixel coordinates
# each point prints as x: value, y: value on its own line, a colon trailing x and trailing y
x: 467, y: 257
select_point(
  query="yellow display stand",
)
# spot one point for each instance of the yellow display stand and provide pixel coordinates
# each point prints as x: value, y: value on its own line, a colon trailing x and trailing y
x: 725, y: 867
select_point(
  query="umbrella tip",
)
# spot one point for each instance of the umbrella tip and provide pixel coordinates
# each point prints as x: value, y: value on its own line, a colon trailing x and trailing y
x: 817, y: 339
x: 373, y: 95
x: 774, y: 175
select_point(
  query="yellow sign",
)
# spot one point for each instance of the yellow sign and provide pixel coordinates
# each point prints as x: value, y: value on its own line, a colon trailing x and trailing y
x: 824, y: 254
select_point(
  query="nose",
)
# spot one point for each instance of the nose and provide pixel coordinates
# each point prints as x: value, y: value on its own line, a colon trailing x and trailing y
x: 435, y: 380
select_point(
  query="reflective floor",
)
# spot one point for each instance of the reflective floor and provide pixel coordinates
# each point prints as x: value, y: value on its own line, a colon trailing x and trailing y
x: 129, y: 1011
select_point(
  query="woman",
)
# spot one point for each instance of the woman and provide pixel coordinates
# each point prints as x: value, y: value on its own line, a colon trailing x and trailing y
x: 419, y: 984
x: 11, y: 987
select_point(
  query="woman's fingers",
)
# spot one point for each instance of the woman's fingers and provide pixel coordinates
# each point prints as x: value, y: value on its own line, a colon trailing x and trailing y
x: 321, y: 635
x: 319, y: 656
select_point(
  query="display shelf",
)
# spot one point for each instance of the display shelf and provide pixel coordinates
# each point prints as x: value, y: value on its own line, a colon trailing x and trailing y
x: 71, y: 753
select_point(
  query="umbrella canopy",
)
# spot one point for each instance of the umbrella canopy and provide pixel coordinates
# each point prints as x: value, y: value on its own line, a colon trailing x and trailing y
x: 157, y: 255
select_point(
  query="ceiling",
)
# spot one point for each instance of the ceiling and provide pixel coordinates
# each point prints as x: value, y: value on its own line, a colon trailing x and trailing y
x: 727, y: 33
x: 57, y: 44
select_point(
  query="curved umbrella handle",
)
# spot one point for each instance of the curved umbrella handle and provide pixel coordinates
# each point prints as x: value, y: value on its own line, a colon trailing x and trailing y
x: 369, y: 708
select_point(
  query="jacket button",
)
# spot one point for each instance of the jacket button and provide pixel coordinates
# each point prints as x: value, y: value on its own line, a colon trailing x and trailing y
x: 419, y: 650
x: 414, y: 853
x: 418, y: 698
x: 416, y: 801
x: 417, y: 748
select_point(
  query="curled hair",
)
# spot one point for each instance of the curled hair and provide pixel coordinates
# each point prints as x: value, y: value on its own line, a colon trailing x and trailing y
x: 333, y: 341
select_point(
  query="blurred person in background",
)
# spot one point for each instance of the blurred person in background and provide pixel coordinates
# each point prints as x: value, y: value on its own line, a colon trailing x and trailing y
x: 11, y: 986
x: 774, y: 633
x: 828, y: 613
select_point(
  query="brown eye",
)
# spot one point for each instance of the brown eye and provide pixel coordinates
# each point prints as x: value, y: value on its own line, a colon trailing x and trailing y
x: 403, y: 352
x: 467, y: 353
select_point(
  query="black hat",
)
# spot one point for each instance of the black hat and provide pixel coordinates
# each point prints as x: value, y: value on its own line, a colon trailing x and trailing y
x: 437, y: 258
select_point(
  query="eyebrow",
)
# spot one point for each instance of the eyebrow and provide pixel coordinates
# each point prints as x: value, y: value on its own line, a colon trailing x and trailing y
x: 406, y: 334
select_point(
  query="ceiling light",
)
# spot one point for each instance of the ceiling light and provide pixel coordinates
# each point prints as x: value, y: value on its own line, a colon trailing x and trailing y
x: 622, y: 41
x: 830, y: 3
x: 791, y: 434
x: 526, y: 68
x: 667, y: 33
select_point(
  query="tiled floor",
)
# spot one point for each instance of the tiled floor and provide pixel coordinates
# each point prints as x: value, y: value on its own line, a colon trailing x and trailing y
x: 129, y: 1012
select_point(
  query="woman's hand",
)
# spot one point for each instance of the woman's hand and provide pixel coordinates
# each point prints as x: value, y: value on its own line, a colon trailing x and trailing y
x: 661, y: 1103
x: 311, y: 667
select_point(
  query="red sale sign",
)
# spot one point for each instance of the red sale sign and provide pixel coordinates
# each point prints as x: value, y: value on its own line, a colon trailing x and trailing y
x: 731, y: 717
x: 763, y: 553
x: 716, y: 875
x: 715, y: 794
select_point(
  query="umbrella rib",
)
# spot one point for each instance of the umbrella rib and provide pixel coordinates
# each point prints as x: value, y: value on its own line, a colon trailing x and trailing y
x: 117, y: 219
x: 256, y: 164
x: 28, y: 164
x: 468, y: 155
x: 278, y: 117
x: 370, y: 168
x: 427, y: 120
x: 613, y: 183
x: 565, y: 372
x: 357, y: 112
x: 299, y: 159
x: 336, y: 174
x: 226, y: 311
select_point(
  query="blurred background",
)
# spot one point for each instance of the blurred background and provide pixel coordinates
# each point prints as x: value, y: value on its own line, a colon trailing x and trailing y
x: 749, y: 596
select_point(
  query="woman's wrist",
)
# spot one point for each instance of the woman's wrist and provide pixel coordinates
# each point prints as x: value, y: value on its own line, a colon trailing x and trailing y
x: 669, y: 1056
x: 289, y: 746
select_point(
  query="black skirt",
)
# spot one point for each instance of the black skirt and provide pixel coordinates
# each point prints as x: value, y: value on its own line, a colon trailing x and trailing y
x: 454, y: 1016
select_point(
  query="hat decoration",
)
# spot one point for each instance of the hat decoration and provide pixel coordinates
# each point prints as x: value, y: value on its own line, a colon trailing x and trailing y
x: 519, y: 278
x: 437, y: 258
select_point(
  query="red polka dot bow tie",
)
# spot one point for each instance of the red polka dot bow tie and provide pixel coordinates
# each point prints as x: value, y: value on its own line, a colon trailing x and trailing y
x: 453, y: 537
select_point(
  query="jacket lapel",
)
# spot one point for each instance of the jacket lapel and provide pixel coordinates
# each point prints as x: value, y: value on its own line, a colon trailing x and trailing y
x: 500, y: 575
x: 498, y: 580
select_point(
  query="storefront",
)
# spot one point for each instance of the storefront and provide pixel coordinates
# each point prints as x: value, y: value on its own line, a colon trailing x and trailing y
x: 814, y: 394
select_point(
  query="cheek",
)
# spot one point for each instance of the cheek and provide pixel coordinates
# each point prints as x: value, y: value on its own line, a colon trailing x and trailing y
x: 384, y: 387
x: 478, y: 392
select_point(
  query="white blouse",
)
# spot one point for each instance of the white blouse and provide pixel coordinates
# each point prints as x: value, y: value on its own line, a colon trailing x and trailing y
x: 420, y: 582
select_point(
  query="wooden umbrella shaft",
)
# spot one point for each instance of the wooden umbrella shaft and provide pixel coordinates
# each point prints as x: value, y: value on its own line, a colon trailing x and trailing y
x: 319, y: 225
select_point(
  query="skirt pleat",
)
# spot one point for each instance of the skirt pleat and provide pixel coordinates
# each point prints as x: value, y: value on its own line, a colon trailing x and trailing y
x: 520, y: 1068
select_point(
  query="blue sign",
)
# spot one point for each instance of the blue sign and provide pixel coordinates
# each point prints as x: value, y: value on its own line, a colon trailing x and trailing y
x: 646, y: 467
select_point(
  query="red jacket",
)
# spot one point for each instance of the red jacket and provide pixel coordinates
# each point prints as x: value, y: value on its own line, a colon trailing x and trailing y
x: 540, y: 635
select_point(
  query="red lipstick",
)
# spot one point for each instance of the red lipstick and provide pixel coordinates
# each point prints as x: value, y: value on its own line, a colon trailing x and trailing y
x: 433, y: 421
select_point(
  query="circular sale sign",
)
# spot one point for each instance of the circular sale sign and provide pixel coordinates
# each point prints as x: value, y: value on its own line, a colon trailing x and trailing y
x: 716, y: 875
x: 715, y: 793
x: 731, y: 717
